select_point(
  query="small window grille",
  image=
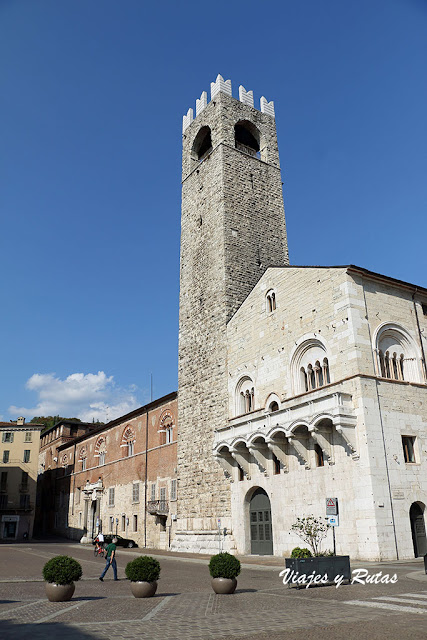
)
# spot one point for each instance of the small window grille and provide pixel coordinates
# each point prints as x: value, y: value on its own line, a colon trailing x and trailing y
x: 135, y: 492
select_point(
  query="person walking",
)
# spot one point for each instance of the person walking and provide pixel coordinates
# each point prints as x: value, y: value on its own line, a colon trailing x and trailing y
x: 99, y: 541
x: 110, y: 552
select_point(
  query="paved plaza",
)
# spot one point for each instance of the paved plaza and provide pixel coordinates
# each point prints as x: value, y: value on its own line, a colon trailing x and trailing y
x: 186, y: 607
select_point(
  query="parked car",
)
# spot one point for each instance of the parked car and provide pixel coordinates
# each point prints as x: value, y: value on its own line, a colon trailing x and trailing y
x: 121, y: 542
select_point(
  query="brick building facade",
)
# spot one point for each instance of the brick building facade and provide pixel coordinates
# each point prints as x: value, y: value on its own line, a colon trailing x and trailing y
x: 119, y: 478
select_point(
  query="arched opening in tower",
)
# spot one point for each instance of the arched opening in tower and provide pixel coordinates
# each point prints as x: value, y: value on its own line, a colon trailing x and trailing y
x: 202, y: 144
x: 247, y: 138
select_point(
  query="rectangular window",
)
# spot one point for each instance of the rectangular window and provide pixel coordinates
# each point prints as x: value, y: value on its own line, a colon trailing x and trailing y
x: 320, y: 461
x: 135, y: 523
x: 80, y: 518
x: 111, y: 523
x: 111, y: 497
x: 123, y: 523
x: 24, y: 481
x: 173, y: 490
x: 27, y: 455
x: 5, y: 456
x: 7, y: 436
x: 3, y: 481
x: 162, y: 494
x: 78, y: 492
x: 131, y: 448
x: 28, y: 436
x: 276, y: 462
x: 408, y: 443
x: 101, y: 458
x: 24, y: 501
x: 83, y: 464
x: 135, y: 492
x: 153, y: 492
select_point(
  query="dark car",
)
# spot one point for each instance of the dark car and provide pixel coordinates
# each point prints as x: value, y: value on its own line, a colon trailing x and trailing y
x: 121, y: 542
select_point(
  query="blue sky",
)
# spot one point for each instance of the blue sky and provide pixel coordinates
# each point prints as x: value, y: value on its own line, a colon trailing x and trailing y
x: 93, y: 93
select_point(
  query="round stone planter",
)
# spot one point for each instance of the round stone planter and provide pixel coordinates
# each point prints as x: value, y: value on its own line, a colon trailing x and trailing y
x: 143, y: 589
x: 224, y: 585
x: 59, y: 592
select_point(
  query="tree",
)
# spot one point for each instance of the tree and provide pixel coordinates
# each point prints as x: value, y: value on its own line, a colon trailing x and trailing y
x: 312, y: 530
x: 49, y: 421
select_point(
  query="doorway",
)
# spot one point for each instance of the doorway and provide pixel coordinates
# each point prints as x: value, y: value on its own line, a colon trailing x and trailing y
x: 418, y: 529
x: 260, y: 524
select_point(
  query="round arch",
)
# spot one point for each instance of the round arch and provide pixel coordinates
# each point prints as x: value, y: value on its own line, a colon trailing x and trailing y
x: 418, y: 528
x: 259, y: 522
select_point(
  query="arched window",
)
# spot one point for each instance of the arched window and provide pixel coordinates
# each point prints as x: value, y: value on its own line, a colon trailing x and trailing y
x: 101, y: 450
x: 166, y: 428
x: 310, y: 366
x: 270, y: 299
x: 396, y: 354
x: 83, y: 456
x: 128, y: 441
x: 247, y: 138
x: 202, y: 144
x: 245, y: 396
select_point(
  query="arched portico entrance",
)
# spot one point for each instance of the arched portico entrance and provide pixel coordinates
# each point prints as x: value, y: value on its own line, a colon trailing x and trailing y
x: 260, y: 524
x: 418, y: 529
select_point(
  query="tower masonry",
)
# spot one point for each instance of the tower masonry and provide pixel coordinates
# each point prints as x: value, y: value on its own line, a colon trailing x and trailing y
x: 232, y: 230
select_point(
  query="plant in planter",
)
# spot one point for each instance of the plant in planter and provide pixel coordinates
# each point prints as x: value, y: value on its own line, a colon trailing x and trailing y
x: 301, y: 553
x: 60, y: 573
x: 313, y: 530
x: 224, y: 568
x: 143, y: 572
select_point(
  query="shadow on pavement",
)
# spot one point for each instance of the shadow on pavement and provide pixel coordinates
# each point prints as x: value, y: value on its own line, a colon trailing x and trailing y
x: 15, y: 631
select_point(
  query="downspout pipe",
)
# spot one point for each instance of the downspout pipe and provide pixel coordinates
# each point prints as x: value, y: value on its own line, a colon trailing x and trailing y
x: 146, y: 479
x: 424, y: 364
x: 382, y: 430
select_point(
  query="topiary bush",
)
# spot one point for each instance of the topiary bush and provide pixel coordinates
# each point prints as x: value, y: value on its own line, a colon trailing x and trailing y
x: 224, y: 565
x: 62, y: 570
x: 143, y: 569
x: 301, y: 553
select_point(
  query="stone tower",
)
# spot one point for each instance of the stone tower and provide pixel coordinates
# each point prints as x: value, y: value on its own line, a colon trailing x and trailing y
x: 232, y: 229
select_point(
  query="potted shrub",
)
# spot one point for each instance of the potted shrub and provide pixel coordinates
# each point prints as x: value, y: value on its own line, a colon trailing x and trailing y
x: 143, y: 573
x: 304, y: 562
x: 301, y: 553
x: 224, y: 568
x: 60, y: 573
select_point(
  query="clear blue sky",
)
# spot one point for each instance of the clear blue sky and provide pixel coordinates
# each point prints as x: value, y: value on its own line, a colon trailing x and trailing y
x: 93, y: 93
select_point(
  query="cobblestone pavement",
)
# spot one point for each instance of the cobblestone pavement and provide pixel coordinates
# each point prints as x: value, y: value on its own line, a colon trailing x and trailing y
x: 185, y: 606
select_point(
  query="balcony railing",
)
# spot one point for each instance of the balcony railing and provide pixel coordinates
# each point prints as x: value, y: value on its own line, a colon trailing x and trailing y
x: 158, y: 507
x: 248, y: 150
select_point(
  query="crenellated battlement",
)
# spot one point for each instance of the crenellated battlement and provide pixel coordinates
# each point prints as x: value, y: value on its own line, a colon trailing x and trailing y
x: 247, y: 97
